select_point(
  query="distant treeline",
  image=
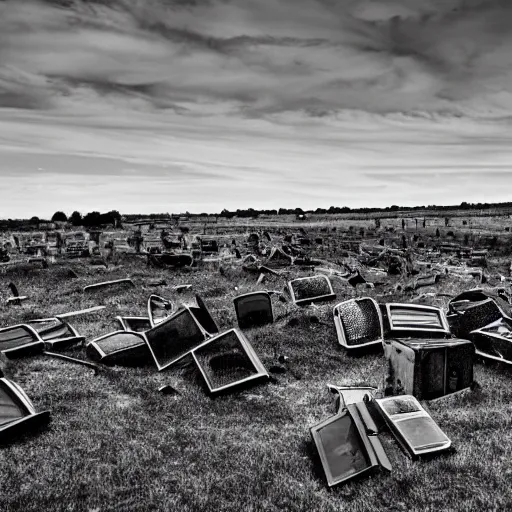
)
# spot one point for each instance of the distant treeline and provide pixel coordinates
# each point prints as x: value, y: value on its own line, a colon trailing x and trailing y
x: 113, y: 218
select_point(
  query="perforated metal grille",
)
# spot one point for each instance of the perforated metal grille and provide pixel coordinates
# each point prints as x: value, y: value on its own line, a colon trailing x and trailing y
x: 360, y: 321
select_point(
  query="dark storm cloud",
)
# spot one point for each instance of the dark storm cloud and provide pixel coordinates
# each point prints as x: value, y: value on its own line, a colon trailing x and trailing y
x: 261, y: 55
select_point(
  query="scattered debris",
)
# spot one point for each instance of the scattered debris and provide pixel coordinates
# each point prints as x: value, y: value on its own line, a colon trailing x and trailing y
x: 74, y: 360
x: 107, y: 284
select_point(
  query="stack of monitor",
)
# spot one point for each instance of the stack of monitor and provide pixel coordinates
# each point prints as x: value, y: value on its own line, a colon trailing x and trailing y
x: 424, y: 359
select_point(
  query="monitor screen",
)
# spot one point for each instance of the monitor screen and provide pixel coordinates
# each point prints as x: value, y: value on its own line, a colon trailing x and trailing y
x: 174, y: 337
x: 225, y: 361
x: 345, y: 453
x: 422, y: 432
x: 253, y: 310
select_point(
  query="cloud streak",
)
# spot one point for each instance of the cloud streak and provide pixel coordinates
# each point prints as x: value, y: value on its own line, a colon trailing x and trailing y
x: 224, y: 96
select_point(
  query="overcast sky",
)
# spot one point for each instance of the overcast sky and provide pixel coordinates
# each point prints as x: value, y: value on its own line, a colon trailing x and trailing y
x: 199, y: 105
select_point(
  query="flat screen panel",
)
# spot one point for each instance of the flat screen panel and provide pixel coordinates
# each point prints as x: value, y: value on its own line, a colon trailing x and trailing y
x: 422, y: 432
x: 175, y: 337
x: 224, y: 361
x: 345, y: 453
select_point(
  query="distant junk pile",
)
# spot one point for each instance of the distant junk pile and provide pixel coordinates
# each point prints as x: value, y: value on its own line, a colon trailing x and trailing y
x: 429, y: 352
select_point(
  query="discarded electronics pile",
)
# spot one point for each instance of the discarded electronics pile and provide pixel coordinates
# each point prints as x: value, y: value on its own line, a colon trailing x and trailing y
x: 429, y: 353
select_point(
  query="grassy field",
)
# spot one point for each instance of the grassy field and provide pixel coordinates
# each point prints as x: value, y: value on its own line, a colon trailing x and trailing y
x: 116, y: 444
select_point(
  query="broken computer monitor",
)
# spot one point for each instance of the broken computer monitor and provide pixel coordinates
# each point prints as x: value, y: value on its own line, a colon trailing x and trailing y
x: 228, y: 360
x: 494, y: 341
x: 20, y: 341
x: 429, y: 368
x: 358, y: 323
x: 17, y: 412
x: 175, y: 337
x: 306, y: 290
x: 414, y: 429
x: 134, y: 323
x: 475, y: 309
x: 203, y: 316
x: 56, y: 334
x: 119, y: 348
x: 402, y: 320
x: 347, y: 447
x: 159, y: 309
x: 253, y: 309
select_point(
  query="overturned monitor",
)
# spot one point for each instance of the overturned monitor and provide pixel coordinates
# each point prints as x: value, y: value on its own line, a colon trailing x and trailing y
x: 159, y: 308
x: 119, y: 348
x: 358, y: 323
x: 414, y: 429
x: 134, y: 323
x: 17, y: 412
x: 306, y: 290
x: 56, y: 334
x: 253, y: 309
x: 228, y: 360
x: 175, y: 337
x: 430, y: 368
x: 20, y: 341
x: 410, y: 319
x: 346, y: 446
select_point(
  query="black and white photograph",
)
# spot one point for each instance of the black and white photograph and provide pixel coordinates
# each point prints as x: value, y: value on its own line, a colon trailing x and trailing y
x: 255, y: 255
